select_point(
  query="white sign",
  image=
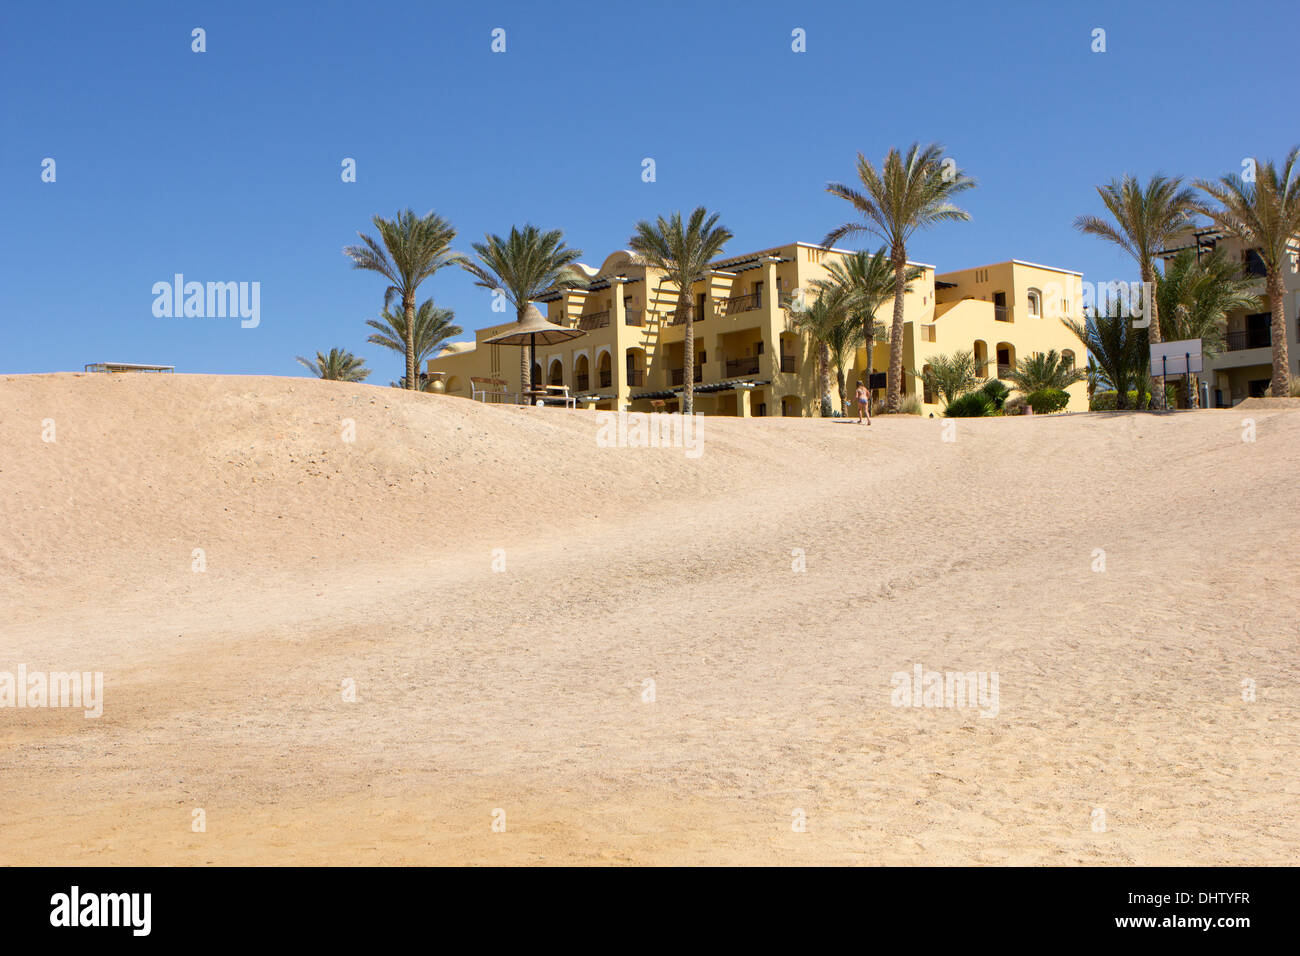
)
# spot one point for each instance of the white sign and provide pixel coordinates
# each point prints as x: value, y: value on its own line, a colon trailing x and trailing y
x: 1176, y: 358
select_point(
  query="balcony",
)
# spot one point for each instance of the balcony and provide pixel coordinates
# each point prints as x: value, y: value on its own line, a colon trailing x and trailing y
x: 1005, y: 370
x: 593, y: 320
x: 1002, y: 313
x: 635, y: 377
x: 581, y: 382
x: 634, y: 317
x: 787, y: 363
x: 678, y: 317
x: 677, y: 376
x: 1249, y: 339
x: 742, y: 366
x: 740, y: 303
x: 606, y: 378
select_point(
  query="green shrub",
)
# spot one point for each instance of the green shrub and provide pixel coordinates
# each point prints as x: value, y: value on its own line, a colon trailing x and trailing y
x: 997, y: 392
x: 1104, y: 401
x: 975, y: 404
x: 1047, y: 400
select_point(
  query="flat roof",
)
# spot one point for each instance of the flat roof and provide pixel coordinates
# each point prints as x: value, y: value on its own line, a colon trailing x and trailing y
x: 849, y: 252
x: 1018, y: 262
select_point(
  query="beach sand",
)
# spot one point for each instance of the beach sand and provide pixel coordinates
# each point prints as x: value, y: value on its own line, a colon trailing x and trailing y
x: 1121, y: 734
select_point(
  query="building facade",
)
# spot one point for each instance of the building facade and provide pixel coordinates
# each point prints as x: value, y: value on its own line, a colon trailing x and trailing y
x: 1243, y: 368
x: 750, y: 358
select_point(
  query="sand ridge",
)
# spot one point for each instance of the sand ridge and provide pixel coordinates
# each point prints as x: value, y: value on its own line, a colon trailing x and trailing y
x: 522, y: 690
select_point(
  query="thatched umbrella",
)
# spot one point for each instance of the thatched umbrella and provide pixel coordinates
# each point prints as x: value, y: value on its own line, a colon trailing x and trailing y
x: 534, y: 329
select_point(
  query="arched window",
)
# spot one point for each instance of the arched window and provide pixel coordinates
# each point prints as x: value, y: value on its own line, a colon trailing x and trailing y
x: 1067, y: 358
x: 1035, y: 303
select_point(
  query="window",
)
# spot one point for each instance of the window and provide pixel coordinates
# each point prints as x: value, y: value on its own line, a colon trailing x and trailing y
x: 1035, y: 303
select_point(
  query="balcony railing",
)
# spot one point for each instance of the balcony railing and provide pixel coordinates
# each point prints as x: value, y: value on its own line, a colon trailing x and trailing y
x: 606, y: 378
x: 1250, y: 339
x: 1005, y: 370
x: 1002, y: 313
x: 581, y: 382
x: 787, y: 363
x: 742, y: 366
x: 634, y: 317
x: 740, y: 303
x: 678, y: 317
x: 677, y: 376
x: 593, y: 320
x: 635, y: 377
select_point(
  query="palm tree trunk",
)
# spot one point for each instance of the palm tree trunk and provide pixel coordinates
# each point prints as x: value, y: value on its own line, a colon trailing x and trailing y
x: 826, y: 378
x: 894, y: 393
x: 408, y: 309
x: 525, y: 360
x: 1153, y: 332
x: 1281, y: 361
x: 688, y: 352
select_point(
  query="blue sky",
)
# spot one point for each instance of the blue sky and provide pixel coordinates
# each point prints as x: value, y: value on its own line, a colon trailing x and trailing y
x: 225, y: 165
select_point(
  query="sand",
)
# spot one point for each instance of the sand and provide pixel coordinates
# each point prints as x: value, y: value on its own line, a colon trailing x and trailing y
x: 1121, y: 734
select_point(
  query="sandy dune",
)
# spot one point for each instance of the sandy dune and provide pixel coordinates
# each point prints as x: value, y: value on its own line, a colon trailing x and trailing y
x: 521, y: 690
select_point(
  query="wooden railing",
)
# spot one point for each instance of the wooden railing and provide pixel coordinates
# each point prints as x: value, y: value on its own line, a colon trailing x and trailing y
x: 740, y: 303
x: 593, y: 320
x: 742, y: 366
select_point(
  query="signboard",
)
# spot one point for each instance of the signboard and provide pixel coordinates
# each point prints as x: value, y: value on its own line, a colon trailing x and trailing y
x: 1177, y: 358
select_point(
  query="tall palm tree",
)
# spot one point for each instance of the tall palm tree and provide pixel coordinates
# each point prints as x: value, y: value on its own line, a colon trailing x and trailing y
x: 410, y: 249
x: 1044, y: 370
x: 433, y: 327
x: 865, y: 281
x: 1264, y: 215
x: 908, y: 192
x: 1197, y: 295
x: 1145, y: 221
x: 339, y: 365
x: 524, y: 265
x: 682, y: 251
x: 951, y: 376
x: 835, y: 335
x: 1120, y: 352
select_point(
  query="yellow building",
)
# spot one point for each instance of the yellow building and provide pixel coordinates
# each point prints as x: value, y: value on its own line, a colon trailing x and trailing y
x: 750, y: 358
x: 1243, y: 367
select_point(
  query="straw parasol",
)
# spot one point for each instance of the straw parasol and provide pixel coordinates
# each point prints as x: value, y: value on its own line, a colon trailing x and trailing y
x: 534, y: 329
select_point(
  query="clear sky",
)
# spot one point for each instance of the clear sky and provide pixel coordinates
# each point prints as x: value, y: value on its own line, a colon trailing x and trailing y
x: 225, y: 165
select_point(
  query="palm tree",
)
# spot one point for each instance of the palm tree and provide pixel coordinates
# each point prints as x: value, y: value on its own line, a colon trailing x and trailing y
x: 1039, y: 371
x: 951, y: 376
x: 1094, y: 377
x: 1146, y: 219
x: 836, y: 335
x: 907, y: 193
x: 339, y: 366
x: 523, y: 266
x: 682, y: 251
x: 1265, y: 216
x: 1119, y: 351
x: 433, y: 327
x: 865, y: 281
x: 413, y: 248
x: 1196, y: 297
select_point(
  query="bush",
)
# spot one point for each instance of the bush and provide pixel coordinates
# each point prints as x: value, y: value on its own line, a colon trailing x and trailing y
x: 1047, y: 400
x: 1104, y: 401
x: 911, y: 405
x: 1015, y: 405
x: 997, y: 392
x: 975, y: 404
x: 1295, y: 388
